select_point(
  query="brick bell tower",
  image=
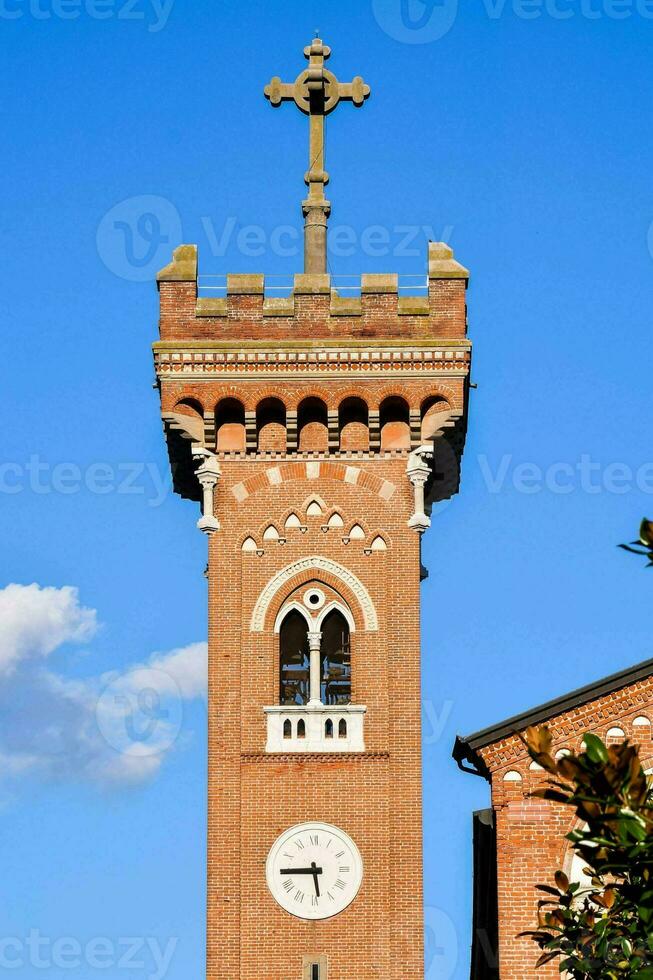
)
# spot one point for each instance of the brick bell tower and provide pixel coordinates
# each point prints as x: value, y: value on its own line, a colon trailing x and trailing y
x: 316, y: 430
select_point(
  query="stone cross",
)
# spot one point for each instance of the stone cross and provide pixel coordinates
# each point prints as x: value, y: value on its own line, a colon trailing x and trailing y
x: 316, y: 92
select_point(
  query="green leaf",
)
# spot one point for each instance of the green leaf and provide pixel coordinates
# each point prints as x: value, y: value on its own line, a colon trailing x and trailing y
x: 646, y: 533
x: 595, y: 749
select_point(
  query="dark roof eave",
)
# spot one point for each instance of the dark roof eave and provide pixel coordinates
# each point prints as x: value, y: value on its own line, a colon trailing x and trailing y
x: 463, y: 753
x: 465, y: 748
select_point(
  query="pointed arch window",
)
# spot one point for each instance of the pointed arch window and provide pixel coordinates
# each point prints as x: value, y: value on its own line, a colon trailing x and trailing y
x: 335, y: 657
x: 294, y: 660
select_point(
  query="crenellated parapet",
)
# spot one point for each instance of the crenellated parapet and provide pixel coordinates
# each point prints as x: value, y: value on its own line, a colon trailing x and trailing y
x: 316, y: 374
x: 314, y: 308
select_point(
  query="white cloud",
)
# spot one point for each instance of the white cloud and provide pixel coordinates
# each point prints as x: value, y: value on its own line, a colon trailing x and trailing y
x: 116, y: 728
x: 34, y: 621
x: 188, y: 666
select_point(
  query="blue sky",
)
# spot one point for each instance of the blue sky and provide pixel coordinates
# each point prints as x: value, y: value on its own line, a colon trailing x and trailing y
x: 520, y: 132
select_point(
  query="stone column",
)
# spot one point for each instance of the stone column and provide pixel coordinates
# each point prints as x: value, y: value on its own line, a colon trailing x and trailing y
x: 316, y: 215
x: 208, y: 473
x: 418, y: 471
x: 315, y: 643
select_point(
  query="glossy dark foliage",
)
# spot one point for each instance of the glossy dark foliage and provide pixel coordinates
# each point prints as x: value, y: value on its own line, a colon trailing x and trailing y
x: 644, y: 544
x: 605, y: 930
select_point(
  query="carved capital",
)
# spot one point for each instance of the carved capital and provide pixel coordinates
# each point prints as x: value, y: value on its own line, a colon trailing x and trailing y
x: 314, y: 640
x: 418, y: 468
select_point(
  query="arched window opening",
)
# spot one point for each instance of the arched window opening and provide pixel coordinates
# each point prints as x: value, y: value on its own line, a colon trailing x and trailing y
x: 434, y: 412
x: 395, y: 424
x: 342, y: 729
x: 294, y: 660
x: 354, y: 425
x: 328, y: 728
x: 190, y: 407
x: 335, y: 660
x: 301, y: 728
x: 312, y: 426
x: 230, y: 426
x: 271, y: 426
x: 287, y: 728
x: 191, y: 412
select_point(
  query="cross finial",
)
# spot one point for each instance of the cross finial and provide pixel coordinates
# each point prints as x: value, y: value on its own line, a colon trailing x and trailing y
x: 317, y: 92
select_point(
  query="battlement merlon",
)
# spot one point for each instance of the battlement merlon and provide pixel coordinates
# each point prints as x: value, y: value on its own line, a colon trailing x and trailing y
x: 314, y: 310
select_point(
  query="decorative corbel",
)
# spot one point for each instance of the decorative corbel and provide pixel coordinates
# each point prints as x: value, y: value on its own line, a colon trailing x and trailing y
x: 208, y: 473
x: 418, y: 471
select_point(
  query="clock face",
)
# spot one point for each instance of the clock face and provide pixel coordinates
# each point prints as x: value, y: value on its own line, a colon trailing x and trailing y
x: 314, y: 870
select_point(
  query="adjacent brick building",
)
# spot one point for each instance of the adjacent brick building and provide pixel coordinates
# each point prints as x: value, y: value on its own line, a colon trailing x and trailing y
x: 520, y: 842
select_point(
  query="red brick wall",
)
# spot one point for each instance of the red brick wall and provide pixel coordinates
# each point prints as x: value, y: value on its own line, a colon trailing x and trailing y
x: 245, y: 318
x: 530, y: 833
x: 376, y: 796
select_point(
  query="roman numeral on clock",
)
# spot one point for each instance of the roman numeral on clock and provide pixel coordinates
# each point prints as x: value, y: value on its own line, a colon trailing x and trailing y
x: 299, y: 895
x: 315, y: 840
x: 344, y: 870
x: 288, y: 885
x: 340, y: 884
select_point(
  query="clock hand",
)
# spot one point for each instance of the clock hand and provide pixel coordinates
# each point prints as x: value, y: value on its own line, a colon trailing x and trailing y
x: 316, y: 881
x: 302, y: 871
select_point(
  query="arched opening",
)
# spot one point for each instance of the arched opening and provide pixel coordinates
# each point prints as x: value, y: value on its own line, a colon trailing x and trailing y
x: 353, y: 418
x: 301, y: 728
x: 294, y: 660
x: 335, y: 660
x: 230, y: 426
x: 342, y: 728
x: 434, y: 411
x: 312, y: 426
x: 394, y: 420
x: 271, y: 426
x: 328, y: 728
x: 287, y: 728
x: 190, y: 407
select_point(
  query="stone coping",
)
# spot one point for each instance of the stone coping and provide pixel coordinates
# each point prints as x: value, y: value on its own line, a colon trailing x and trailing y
x: 313, y: 344
x: 184, y: 265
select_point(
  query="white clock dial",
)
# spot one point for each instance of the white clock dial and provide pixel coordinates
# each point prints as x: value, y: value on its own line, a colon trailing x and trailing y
x: 314, y: 870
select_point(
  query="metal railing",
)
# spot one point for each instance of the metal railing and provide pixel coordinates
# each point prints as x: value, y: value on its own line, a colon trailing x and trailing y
x: 282, y: 285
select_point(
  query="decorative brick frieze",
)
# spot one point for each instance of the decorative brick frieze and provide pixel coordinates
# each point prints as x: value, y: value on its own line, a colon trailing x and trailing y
x: 186, y: 362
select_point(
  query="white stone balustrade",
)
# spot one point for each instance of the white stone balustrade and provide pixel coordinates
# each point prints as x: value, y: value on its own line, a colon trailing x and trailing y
x: 315, y: 728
